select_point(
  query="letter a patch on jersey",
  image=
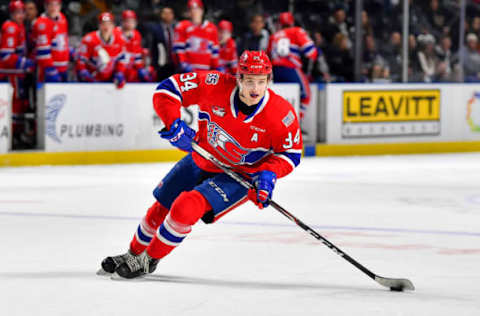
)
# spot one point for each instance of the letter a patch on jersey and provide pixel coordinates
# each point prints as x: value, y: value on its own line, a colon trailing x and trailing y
x: 254, y: 138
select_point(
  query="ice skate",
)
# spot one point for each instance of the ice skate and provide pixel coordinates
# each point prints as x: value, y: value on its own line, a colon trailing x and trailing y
x: 136, y: 266
x: 110, y: 264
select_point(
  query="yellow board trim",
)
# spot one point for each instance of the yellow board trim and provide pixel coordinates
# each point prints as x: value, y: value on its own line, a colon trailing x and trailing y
x: 88, y: 158
x: 396, y: 149
x: 165, y: 155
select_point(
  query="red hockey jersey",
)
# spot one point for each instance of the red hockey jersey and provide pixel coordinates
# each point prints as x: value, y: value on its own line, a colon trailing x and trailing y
x: 268, y: 139
x: 196, y: 45
x: 12, y: 46
x: 286, y: 46
x: 101, y: 58
x: 228, y: 57
x: 133, y: 50
x: 50, y: 37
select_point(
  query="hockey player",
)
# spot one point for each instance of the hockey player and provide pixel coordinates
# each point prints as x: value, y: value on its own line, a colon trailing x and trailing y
x: 101, y: 56
x: 15, y: 65
x: 285, y: 48
x: 228, y: 57
x: 242, y: 123
x: 50, y: 38
x: 196, y: 41
x: 135, y: 70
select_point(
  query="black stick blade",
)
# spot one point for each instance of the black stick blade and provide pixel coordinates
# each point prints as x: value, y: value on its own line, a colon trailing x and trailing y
x: 395, y: 284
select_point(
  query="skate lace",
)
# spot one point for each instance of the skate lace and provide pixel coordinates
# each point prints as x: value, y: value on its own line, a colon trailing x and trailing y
x: 138, y: 263
x: 134, y: 263
x: 121, y: 258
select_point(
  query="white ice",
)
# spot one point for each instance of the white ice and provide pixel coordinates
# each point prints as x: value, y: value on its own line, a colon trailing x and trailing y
x: 415, y: 217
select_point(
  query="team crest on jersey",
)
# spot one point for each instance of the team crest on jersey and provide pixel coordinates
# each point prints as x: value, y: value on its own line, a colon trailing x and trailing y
x: 225, y: 144
x: 212, y: 78
x: 10, y: 29
x: 218, y: 111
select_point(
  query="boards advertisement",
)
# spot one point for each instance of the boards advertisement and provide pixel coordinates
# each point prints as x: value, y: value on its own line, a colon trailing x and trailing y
x: 5, y: 118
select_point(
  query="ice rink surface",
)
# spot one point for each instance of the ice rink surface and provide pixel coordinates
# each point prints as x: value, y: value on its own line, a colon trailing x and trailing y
x: 416, y: 217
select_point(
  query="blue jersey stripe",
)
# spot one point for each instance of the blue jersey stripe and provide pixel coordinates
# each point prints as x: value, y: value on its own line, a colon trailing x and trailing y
x: 294, y: 157
x: 254, y: 156
x: 307, y: 49
x: 167, y: 84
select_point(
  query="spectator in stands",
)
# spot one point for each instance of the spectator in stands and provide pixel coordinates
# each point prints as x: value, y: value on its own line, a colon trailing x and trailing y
x: 426, y: 57
x: 370, y: 55
x: 321, y: 71
x: 256, y: 38
x: 337, y: 24
x: 366, y: 24
x: 446, y: 59
x: 437, y: 18
x: 228, y: 49
x: 160, y: 41
x: 475, y: 28
x: 135, y: 66
x: 340, y: 59
x: 379, y: 73
x: 392, y: 52
x: 471, y: 64
x: 196, y: 40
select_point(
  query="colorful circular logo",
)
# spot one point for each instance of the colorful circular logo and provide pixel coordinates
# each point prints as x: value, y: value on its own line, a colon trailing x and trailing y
x: 473, y: 112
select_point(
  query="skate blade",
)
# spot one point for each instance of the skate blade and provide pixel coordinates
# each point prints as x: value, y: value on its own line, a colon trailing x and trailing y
x: 102, y: 272
x: 116, y: 277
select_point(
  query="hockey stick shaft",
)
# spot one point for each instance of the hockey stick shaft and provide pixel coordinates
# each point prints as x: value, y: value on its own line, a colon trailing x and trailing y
x: 395, y: 282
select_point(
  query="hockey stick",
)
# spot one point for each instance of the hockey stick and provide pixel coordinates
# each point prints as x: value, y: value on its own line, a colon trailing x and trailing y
x: 393, y: 284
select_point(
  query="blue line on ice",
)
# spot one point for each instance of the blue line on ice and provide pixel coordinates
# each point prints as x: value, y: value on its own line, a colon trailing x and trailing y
x: 371, y: 229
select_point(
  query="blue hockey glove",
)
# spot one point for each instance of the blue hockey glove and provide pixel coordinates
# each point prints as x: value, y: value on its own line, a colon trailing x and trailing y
x: 144, y: 75
x: 85, y: 76
x: 119, y: 79
x: 52, y: 75
x: 264, y: 182
x: 186, y: 67
x: 25, y: 64
x: 179, y: 135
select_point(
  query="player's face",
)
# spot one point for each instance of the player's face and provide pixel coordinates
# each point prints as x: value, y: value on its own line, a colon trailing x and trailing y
x: 106, y: 28
x: 18, y: 16
x: 129, y: 24
x: 223, y: 36
x: 196, y: 14
x: 53, y: 8
x: 30, y: 11
x: 253, y: 88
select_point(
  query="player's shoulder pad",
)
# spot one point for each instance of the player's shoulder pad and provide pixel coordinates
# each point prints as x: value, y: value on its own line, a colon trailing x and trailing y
x: 214, y: 78
x: 9, y: 27
x: 90, y: 37
x: 183, y: 25
x: 137, y: 35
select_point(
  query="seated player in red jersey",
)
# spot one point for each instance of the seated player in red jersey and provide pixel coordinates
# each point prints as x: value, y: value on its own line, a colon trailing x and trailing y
x: 50, y: 38
x: 228, y: 57
x: 135, y: 70
x: 101, y: 56
x: 242, y: 123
